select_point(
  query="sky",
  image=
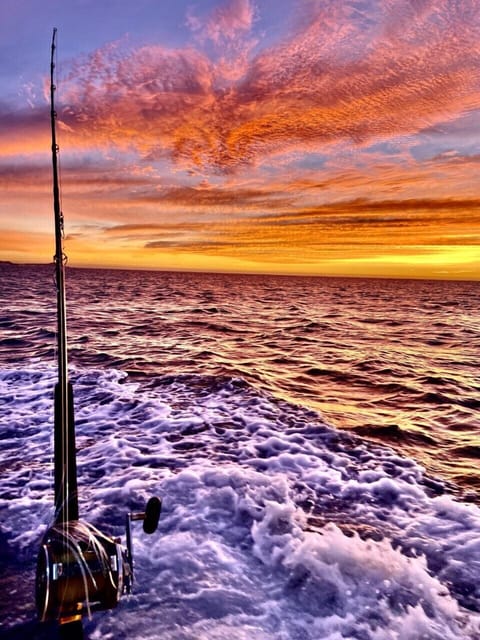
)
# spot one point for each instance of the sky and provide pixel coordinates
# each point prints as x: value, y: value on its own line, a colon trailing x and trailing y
x: 309, y: 137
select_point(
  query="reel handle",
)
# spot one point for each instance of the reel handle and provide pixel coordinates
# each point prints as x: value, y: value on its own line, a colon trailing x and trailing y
x: 150, y: 518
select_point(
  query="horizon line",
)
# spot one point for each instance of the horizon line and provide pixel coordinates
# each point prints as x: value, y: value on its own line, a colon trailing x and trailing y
x: 246, y: 273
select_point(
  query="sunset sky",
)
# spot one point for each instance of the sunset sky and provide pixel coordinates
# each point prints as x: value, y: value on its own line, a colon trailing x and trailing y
x: 324, y: 137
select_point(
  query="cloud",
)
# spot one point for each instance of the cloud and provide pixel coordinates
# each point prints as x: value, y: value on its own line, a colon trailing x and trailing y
x: 342, y: 74
x: 24, y: 174
x: 23, y: 130
x: 24, y: 242
x: 353, y: 228
x: 225, y: 23
x: 227, y: 199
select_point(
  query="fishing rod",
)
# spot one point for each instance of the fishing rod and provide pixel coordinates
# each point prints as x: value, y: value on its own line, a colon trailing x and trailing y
x: 79, y: 568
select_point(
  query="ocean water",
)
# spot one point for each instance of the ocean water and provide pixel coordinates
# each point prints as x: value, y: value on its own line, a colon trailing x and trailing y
x: 315, y: 443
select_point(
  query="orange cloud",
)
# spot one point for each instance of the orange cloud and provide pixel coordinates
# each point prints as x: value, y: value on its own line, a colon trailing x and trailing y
x: 305, y: 236
x: 22, y: 245
x: 341, y: 75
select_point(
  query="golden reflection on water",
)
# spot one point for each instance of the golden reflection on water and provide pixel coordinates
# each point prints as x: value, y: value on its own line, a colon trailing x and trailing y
x: 394, y: 361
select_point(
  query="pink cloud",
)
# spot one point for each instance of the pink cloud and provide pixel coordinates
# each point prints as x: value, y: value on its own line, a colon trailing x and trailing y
x: 343, y: 74
x: 224, y: 23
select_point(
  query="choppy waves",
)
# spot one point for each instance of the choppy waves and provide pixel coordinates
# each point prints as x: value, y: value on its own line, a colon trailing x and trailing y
x: 274, y: 524
x: 376, y: 357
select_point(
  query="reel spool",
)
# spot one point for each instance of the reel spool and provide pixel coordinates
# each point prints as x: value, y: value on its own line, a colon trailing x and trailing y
x: 79, y: 570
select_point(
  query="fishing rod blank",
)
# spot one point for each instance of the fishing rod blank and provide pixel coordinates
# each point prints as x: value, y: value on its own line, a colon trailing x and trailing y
x: 79, y: 569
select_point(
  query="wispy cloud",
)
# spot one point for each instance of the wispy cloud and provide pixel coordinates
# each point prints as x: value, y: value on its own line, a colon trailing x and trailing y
x: 354, y: 226
x: 224, y: 23
x: 342, y: 74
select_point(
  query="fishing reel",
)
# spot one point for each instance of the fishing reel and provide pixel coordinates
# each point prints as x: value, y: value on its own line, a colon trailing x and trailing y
x: 81, y: 570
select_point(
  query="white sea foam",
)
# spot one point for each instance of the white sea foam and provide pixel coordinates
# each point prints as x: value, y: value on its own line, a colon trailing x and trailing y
x: 274, y: 525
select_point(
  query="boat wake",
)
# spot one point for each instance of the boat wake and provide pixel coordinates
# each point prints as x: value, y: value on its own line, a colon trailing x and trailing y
x: 274, y: 524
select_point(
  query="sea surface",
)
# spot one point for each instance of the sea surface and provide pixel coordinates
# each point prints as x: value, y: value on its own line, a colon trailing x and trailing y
x: 315, y: 442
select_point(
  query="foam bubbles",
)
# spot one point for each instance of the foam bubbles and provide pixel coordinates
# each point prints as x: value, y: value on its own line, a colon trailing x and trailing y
x: 274, y: 525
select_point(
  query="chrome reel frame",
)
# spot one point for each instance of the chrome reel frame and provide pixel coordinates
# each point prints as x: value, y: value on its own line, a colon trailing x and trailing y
x: 81, y: 570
